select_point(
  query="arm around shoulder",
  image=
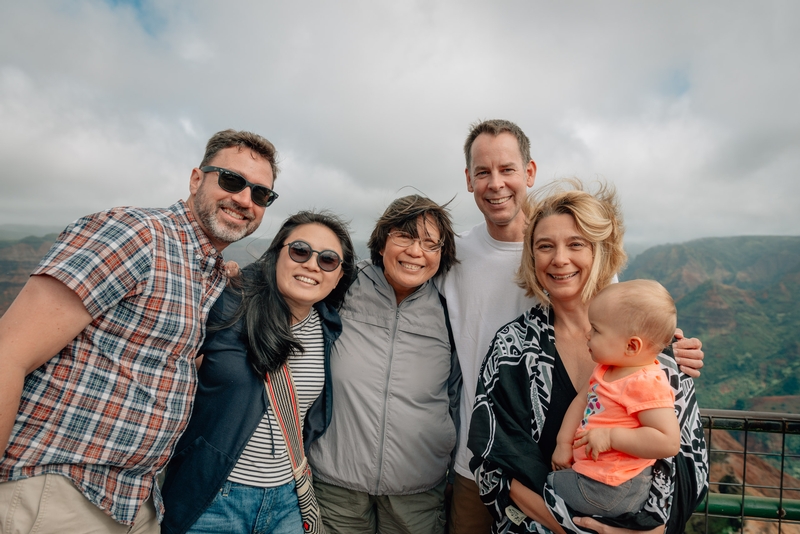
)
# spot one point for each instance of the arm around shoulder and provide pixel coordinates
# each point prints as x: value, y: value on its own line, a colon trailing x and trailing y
x: 688, y: 354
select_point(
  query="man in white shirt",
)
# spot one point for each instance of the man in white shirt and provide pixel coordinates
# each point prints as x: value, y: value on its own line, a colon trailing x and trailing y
x: 481, y: 292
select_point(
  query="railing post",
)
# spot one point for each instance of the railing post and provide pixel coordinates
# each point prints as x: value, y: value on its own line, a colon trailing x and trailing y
x: 781, y: 509
x: 744, y: 469
x: 710, y: 448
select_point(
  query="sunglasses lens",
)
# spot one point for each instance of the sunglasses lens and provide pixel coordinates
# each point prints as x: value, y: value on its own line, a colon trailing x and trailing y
x: 232, y: 183
x: 260, y: 196
x: 299, y: 251
x: 328, y: 260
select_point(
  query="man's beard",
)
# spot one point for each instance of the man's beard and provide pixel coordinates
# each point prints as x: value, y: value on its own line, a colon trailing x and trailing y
x: 221, y: 230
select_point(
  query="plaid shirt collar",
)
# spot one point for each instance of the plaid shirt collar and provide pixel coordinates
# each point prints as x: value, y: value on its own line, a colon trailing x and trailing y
x: 207, y: 249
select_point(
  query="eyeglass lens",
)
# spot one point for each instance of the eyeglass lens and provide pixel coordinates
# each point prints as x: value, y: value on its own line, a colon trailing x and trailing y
x: 403, y: 239
x: 301, y: 252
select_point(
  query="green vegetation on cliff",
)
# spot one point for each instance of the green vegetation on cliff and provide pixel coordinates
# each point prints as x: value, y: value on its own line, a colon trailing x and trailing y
x: 739, y: 296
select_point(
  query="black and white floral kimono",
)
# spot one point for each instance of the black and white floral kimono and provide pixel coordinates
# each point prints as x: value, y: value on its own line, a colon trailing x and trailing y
x: 523, y: 392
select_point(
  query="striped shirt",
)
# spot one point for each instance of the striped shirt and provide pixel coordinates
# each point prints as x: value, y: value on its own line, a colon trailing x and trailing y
x: 264, y: 462
x: 107, y: 410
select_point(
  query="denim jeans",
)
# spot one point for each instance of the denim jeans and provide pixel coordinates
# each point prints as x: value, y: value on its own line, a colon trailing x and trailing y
x: 589, y: 497
x: 243, y: 509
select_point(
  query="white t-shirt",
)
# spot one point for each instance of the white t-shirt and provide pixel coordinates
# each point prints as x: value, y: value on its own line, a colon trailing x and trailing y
x: 482, y: 296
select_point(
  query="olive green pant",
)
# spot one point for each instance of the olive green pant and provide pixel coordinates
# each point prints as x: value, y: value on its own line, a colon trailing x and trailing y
x: 347, y: 511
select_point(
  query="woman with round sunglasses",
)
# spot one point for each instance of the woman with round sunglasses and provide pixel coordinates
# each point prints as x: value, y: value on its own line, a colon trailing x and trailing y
x: 231, y: 471
x: 382, y: 464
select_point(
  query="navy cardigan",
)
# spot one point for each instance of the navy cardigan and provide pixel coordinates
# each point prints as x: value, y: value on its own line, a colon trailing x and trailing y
x: 230, y: 402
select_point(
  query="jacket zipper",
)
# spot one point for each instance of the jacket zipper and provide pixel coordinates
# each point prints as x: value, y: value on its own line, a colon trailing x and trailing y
x: 386, y: 400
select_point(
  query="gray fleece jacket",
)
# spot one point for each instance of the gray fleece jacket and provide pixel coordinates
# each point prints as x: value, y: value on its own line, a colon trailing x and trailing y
x: 396, y: 383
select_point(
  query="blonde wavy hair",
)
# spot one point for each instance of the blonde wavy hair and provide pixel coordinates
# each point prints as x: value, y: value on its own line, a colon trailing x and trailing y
x: 599, y: 220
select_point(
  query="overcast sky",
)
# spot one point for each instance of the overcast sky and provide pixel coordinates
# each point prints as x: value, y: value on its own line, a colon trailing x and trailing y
x: 690, y: 108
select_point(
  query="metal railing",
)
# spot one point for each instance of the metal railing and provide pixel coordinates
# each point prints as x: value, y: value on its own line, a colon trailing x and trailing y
x: 754, y: 476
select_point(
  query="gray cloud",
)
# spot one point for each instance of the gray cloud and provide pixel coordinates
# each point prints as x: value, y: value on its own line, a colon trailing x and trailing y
x: 690, y: 109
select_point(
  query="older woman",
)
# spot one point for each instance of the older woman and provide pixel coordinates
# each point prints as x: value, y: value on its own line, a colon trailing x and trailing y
x: 381, y: 465
x: 572, y: 249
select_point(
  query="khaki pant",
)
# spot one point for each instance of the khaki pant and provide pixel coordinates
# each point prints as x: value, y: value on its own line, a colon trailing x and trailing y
x: 347, y: 511
x: 52, y: 503
x: 468, y: 515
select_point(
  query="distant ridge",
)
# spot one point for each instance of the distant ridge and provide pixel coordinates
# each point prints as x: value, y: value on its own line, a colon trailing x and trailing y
x: 747, y: 262
x: 14, y: 232
x: 17, y: 260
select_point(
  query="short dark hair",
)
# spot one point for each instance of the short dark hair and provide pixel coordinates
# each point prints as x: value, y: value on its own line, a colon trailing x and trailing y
x: 495, y: 127
x: 267, y: 318
x: 402, y: 214
x: 230, y: 138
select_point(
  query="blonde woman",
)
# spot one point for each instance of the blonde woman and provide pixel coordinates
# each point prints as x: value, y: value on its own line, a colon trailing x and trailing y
x: 531, y: 374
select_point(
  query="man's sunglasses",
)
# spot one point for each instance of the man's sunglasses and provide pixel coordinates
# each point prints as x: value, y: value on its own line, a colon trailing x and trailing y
x: 301, y: 252
x: 233, y: 183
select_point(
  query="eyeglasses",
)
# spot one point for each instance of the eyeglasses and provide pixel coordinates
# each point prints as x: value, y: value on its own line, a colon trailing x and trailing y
x: 301, y: 252
x: 404, y: 239
x: 233, y: 183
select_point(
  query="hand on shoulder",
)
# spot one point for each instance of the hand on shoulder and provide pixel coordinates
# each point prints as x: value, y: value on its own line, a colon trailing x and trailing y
x: 688, y: 354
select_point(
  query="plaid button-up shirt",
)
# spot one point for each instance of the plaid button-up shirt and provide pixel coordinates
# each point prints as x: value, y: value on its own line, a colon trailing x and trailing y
x: 107, y: 410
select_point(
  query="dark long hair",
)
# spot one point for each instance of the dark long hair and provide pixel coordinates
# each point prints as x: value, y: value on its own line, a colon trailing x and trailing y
x: 267, y: 318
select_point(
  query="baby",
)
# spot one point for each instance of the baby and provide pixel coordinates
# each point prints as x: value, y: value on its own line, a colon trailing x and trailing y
x: 610, y: 437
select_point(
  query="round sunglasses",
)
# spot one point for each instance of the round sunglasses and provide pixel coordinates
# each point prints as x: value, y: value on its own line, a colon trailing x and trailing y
x: 233, y: 183
x: 301, y: 252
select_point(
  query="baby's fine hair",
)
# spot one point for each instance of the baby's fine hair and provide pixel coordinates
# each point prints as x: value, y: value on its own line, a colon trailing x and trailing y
x: 644, y: 308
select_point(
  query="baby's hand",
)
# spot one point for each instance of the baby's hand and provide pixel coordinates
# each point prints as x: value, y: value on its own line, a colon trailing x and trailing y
x: 562, y: 457
x: 597, y: 440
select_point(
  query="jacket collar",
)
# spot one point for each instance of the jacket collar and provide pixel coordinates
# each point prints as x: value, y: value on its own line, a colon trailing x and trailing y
x: 378, y: 278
